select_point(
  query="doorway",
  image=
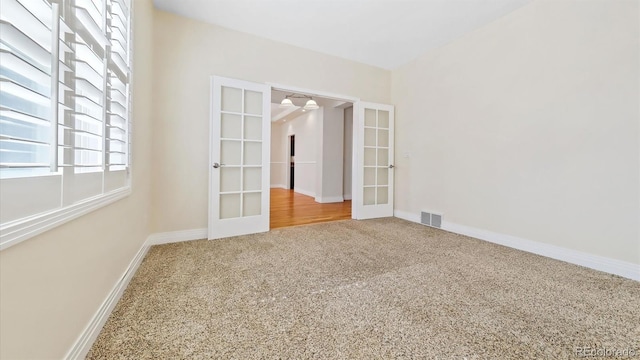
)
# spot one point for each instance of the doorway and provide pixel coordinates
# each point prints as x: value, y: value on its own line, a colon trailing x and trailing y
x: 292, y: 154
x: 242, y: 170
x: 311, y: 159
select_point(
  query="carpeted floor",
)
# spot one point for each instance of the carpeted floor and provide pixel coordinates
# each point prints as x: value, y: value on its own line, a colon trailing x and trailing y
x: 376, y: 289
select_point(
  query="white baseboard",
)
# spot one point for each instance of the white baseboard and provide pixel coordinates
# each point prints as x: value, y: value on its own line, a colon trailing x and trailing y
x: 406, y: 216
x: 89, y: 335
x: 329, y: 199
x: 83, y: 344
x: 346, y: 196
x: 278, y: 186
x: 592, y: 261
x: 305, y: 192
x: 177, y: 236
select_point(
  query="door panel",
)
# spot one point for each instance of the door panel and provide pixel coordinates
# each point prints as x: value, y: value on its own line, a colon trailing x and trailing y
x: 373, y: 195
x: 239, y: 166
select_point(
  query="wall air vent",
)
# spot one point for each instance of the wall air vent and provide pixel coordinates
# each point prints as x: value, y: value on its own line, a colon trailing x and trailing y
x: 431, y: 219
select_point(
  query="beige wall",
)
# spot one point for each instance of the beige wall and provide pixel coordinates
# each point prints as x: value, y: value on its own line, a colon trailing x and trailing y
x: 330, y: 155
x: 348, y: 153
x: 187, y: 53
x: 52, y: 285
x: 306, y: 129
x: 529, y: 127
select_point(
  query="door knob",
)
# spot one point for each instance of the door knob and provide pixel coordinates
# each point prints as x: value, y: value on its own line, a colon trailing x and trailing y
x: 391, y: 166
x: 216, y: 165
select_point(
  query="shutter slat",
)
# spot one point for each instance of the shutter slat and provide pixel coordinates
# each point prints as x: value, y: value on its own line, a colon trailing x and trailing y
x: 23, y: 165
x: 17, y: 115
x: 92, y: 9
x: 23, y: 140
x: 14, y: 67
x: 116, y: 71
x: 76, y: 113
x: 90, y: 27
x: 22, y: 45
x: 87, y: 132
x: 30, y: 24
x: 10, y: 87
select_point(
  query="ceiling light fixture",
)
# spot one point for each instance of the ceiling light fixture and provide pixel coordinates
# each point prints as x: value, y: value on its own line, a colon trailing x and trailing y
x: 309, y: 105
x: 286, y: 103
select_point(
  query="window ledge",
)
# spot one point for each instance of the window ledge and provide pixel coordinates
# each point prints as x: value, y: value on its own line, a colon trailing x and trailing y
x: 15, y: 232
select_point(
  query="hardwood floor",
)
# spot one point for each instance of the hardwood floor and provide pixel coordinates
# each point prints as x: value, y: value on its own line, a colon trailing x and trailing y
x: 289, y: 208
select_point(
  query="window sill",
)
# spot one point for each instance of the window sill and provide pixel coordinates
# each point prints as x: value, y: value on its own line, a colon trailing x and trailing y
x: 15, y: 232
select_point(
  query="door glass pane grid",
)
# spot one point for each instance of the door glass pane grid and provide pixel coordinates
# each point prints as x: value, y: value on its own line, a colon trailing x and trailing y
x: 253, y: 179
x: 252, y: 128
x: 376, y: 161
x: 231, y: 100
x: 252, y: 153
x: 230, y: 125
x: 371, y: 157
x: 252, y: 103
x: 382, y: 157
x: 383, y: 119
x: 242, y: 144
x: 230, y: 206
x: 370, y: 118
x: 240, y: 123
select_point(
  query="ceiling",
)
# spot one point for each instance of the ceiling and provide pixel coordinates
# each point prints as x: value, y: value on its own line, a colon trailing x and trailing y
x: 382, y: 33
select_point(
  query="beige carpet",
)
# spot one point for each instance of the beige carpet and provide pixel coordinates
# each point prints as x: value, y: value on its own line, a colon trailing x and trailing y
x: 377, y: 289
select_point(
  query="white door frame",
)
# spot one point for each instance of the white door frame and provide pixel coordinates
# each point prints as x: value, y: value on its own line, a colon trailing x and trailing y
x: 311, y: 92
x: 354, y: 158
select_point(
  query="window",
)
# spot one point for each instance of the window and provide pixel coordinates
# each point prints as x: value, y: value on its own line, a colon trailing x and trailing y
x: 65, y: 75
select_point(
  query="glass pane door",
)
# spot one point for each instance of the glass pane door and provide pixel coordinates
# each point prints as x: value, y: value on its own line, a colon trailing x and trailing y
x: 240, y: 140
x: 375, y: 155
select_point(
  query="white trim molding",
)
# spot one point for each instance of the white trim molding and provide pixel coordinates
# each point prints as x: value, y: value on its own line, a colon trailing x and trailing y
x: 177, y: 236
x: 329, y: 199
x: 278, y: 186
x: 325, y: 94
x: 592, y: 261
x: 612, y: 266
x: 15, y: 232
x: 404, y: 215
x: 305, y: 192
x: 83, y: 344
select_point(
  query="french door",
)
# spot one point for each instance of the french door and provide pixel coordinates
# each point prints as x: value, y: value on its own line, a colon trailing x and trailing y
x: 373, y: 165
x: 239, y: 166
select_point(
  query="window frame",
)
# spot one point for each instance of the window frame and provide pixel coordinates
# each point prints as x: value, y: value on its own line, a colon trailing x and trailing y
x: 18, y: 230
x: 14, y: 232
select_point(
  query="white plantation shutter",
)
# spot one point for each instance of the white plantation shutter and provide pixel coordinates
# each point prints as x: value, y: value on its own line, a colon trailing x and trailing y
x: 117, y: 126
x: 86, y: 136
x: 25, y: 88
x: 119, y: 75
x: 64, y: 108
